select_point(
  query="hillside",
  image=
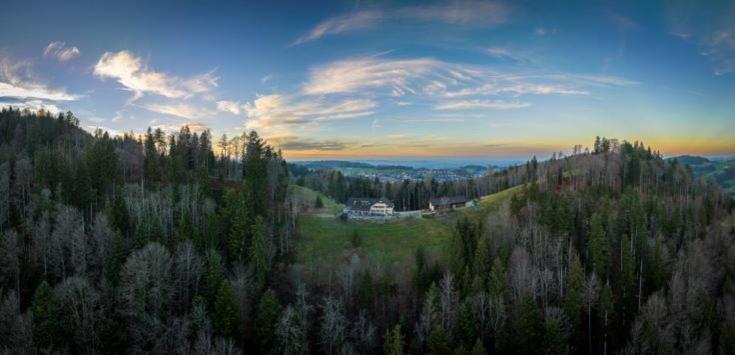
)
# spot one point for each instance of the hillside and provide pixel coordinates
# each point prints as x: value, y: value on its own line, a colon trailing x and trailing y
x: 119, y: 245
x: 722, y: 172
x: 324, y: 241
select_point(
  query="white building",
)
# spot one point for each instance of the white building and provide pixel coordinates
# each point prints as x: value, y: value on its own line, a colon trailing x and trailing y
x: 369, y: 207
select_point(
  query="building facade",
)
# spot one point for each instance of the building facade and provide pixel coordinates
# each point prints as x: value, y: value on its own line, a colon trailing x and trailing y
x: 379, y: 207
x: 449, y: 203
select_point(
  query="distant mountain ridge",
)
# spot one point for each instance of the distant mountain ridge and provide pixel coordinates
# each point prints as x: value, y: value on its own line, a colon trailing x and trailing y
x: 722, y: 171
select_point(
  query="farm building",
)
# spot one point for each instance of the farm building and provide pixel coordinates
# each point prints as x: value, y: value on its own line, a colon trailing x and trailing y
x: 449, y: 203
x: 368, y: 207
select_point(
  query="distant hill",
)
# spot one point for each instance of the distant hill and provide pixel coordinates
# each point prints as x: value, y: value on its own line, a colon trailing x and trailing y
x: 333, y: 164
x: 690, y: 159
x: 721, y: 171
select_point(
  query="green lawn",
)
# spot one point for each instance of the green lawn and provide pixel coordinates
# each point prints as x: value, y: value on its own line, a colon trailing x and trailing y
x: 328, y: 240
x: 325, y: 241
x: 308, y: 197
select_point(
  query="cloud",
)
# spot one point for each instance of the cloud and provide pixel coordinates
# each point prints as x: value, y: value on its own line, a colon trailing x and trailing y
x: 481, y: 13
x: 480, y: 104
x: 232, y: 107
x: 339, y: 24
x: 523, y: 89
x: 34, y: 91
x: 720, y: 49
x: 112, y: 132
x: 33, y: 106
x: 60, y: 51
x: 118, y: 116
x: 175, y: 126
x: 375, y: 76
x: 276, y: 113
x: 714, y: 39
x: 18, y: 81
x: 502, y: 53
x: 350, y: 75
x: 293, y: 143
x: 130, y: 72
x: 485, y: 13
x: 266, y: 79
x: 179, y: 110
x: 592, y: 80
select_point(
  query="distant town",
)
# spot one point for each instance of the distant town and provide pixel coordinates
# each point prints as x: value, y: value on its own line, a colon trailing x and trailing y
x: 396, y: 173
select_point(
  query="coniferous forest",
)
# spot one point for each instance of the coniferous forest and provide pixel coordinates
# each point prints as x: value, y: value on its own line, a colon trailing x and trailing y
x: 184, y: 243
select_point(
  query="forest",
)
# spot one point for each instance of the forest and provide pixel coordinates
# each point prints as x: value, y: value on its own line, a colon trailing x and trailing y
x: 184, y: 243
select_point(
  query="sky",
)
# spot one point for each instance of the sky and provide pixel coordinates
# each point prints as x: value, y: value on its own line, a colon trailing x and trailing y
x: 384, y: 79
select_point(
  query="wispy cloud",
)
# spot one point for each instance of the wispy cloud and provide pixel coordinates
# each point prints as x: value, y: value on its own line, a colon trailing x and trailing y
x: 61, y: 51
x: 400, y: 76
x: 715, y: 40
x: 182, y: 110
x: 482, y: 13
x: 339, y: 24
x: 480, y: 104
x: 720, y: 49
x: 232, y: 107
x: 130, y: 72
x: 376, y: 124
x: 277, y: 113
x: 504, y: 53
x: 543, y: 31
x: 293, y: 143
x: 264, y: 80
x: 354, y: 87
x: 17, y: 80
x: 434, y: 78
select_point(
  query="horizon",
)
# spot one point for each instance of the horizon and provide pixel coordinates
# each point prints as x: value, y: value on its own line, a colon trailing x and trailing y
x: 386, y: 80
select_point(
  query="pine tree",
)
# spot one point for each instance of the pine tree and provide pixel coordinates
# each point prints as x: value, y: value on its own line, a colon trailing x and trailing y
x: 626, y: 281
x: 574, y: 295
x: 119, y: 216
x: 438, y: 343
x: 269, y: 312
x: 260, y: 252
x: 318, y: 203
x: 151, y: 164
x: 605, y: 311
x: 498, y: 278
x: 465, y: 329
x: 235, y: 211
x: 530, y: 327
x: 226, y: 312
x: 214, y: 276
x: 394, y: 341
x: 555, y: 338
x: 599, y: 246
x: 46, y: 322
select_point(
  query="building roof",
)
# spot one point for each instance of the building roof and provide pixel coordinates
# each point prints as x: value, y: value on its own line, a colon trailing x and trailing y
x: 446, y: 201
x: 364, y: 203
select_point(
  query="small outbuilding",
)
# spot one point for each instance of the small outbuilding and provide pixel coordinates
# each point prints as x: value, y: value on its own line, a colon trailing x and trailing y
x: 450, y: 203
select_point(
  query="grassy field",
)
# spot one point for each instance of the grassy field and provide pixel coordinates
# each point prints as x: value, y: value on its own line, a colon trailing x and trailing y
x: 308, y: 198
x: 326, y: 241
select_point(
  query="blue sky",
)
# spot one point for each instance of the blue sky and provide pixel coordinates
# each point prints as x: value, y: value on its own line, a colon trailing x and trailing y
x: 385, y: 79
